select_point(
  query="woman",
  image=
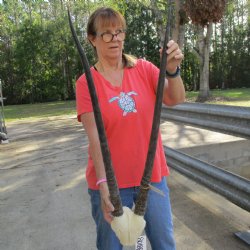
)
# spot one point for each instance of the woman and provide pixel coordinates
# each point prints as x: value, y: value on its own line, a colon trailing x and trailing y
x: 126, y: 90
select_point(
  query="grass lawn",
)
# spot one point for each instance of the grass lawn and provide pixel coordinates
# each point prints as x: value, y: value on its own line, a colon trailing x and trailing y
x: 39, y: 110
x: 235, y: 97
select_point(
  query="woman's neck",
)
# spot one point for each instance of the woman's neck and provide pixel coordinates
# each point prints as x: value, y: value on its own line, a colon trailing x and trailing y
x: 111, y: 71
x: 111, y: 65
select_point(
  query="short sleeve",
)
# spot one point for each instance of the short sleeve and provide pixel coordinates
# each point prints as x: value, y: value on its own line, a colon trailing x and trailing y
x: 83, y: 100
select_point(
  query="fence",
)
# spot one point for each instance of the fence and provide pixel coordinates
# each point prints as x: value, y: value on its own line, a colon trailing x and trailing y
x: 226, y: 119
x: 231, y: 186
x: 221, y: 118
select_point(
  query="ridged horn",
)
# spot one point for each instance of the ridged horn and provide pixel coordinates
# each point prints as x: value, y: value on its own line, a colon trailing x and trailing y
x: 111, y: 180
x: 141, y: 201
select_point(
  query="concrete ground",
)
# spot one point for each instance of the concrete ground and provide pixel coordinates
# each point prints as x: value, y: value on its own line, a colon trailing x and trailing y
x: 44, y: 203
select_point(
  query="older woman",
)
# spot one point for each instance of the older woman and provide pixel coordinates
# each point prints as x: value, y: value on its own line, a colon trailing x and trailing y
x: 126, y: 89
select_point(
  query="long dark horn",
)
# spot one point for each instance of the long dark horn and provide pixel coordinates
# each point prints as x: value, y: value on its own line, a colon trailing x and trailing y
x: 140, y: 205
x: 111, y: 180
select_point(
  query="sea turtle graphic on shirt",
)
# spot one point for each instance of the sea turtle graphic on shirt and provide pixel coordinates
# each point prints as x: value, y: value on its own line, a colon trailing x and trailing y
x: 125, y: 102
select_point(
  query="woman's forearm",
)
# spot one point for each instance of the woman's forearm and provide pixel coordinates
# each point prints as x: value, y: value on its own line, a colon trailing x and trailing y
x: 174, y: 91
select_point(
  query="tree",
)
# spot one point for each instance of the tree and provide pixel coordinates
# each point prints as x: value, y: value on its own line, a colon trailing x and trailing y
x: 177, y: 21
x: 203, y: 13
x: 38, y: 60
x: 141, y: 38
x: 179, y: 25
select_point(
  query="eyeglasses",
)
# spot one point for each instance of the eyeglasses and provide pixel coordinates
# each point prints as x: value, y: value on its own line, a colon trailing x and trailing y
x: 107, y: 37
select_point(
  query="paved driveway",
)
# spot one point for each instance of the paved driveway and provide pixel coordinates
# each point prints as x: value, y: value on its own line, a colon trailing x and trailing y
x: 44, y: 203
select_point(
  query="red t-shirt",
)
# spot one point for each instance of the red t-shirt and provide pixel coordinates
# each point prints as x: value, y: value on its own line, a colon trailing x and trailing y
x: 127, y: 113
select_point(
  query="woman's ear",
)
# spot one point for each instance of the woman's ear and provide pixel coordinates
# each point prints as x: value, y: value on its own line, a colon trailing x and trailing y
x: 92, y: 40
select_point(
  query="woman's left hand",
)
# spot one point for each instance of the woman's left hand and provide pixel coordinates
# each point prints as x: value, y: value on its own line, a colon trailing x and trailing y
x: 174, y: 56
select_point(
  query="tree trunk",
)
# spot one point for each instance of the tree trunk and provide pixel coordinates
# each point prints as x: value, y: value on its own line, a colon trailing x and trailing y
x: 159, y: 20
x: 223, y: 86
x: 178, y: 32
x: 204, y: 49
x: 179, y: 25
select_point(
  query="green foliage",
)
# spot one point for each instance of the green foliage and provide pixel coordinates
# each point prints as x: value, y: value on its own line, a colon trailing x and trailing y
x: 141, y: 38
x: 39, y: 61
x: 190, y: 70
x: 230, y: 58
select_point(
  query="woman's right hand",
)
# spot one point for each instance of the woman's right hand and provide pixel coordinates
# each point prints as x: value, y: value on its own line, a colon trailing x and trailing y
x: 106, y: 204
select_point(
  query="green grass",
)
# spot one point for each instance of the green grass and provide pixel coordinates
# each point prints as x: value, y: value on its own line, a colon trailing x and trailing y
x: 235, y: 97
x: 39, y: 110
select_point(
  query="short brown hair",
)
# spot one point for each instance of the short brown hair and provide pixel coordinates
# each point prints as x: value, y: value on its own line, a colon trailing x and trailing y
x: 104, y: 17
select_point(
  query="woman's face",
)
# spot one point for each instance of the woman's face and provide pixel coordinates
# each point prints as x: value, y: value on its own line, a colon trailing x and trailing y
x: 109, y: 42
